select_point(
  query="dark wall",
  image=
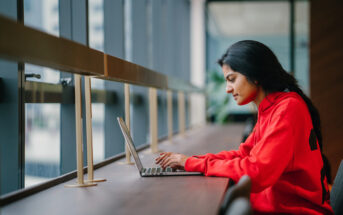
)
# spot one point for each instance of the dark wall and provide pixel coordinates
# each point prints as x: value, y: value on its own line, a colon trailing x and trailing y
x: 326, y: 73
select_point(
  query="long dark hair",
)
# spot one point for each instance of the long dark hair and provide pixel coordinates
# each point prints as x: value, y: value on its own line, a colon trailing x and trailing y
x: 260, y: 65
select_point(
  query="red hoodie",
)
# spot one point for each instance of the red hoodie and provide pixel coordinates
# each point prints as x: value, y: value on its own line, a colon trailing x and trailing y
x: 281, y: 156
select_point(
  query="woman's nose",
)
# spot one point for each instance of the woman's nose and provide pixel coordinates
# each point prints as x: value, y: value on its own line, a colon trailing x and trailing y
x: 229, y: 88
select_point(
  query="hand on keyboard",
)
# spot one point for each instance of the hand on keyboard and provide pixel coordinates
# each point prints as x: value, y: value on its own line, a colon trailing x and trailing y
x: 173, y: 160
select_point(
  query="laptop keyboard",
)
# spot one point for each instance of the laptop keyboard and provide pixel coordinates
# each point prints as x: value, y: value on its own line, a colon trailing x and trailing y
x: 156, y: 170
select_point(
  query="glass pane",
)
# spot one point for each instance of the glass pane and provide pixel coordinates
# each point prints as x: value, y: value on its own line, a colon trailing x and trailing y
x: 43, y: 15
x: 229, y: 22
x: 96, y: 41
x: 42, y: 121
x: 98, y: 113
x: 302, y: 45
x: 96, y: 24
x: 41, y: 74
x: 42, y: 142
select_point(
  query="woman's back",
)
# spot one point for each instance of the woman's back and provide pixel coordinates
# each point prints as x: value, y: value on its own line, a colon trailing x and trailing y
x: 301, y: 187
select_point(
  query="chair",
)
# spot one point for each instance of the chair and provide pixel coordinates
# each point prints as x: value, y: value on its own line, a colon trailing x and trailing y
x: 241, y: 189
x: 239, y: 206
x: 336, y: 195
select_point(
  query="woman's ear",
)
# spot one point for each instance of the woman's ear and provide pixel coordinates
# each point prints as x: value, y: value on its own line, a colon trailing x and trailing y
x: 256, y: 82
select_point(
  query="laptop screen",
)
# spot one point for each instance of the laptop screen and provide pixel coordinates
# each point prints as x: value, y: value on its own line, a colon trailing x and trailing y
x: 129, y: 141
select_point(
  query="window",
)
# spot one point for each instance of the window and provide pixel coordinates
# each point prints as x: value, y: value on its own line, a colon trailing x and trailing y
x: 42, y: 120
x: 96, y: 41
x: 302, y: 44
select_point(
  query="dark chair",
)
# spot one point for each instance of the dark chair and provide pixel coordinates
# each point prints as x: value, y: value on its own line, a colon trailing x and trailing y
x: 241, y: 189
x: 336, y: 195
x: 239, y: 206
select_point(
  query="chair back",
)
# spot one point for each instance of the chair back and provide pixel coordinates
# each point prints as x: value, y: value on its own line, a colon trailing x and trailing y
x: 239, y: 206
x: 241, y: 189
x: 336, y: 195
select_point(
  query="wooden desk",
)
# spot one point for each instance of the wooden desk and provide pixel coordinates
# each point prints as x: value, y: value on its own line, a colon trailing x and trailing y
x: 125, y: 192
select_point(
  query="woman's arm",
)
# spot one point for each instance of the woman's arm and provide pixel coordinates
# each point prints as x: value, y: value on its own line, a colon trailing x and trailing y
x: 244, y: 150
x: 176, y: 160
x: 266, y: 161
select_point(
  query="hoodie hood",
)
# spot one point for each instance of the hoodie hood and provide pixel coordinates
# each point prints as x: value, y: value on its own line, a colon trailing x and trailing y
x: 274, y: 98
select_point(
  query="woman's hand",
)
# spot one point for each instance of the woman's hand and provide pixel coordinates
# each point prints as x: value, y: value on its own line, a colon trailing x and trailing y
x: 173, y: 160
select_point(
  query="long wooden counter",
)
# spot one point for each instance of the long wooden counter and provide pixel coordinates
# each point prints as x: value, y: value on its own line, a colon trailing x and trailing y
x: 125, y: 192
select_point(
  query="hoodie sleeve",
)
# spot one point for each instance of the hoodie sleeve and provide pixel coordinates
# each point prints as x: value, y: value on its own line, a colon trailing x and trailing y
x: 266, y: 160
x: 194, y: 163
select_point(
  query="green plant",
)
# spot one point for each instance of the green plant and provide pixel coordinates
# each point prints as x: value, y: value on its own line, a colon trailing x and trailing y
x: 218, y: 100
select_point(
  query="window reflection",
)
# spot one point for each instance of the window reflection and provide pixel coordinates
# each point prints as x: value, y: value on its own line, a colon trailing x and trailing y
x: 301, y: 44
x: 96, y: 41
x: 42, y: 142
x: 42, y: 121
x: 42, y: 15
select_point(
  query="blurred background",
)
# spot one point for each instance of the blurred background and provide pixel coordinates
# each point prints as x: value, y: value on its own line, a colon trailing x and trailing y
x: 268, y: 22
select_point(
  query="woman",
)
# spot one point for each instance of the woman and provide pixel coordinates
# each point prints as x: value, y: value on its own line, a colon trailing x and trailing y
x: 282, y: 155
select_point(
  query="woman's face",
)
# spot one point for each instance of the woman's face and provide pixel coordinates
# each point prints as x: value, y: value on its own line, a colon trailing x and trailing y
x: 238, y: 85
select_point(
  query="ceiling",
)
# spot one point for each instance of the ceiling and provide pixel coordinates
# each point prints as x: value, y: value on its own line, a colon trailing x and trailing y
x: 255, y: 18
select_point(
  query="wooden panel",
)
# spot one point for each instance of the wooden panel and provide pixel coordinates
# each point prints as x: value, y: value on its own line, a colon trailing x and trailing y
x: 326, y: 76
x: 24, y: 44
x: 21, y: 43
x: 126, y: 192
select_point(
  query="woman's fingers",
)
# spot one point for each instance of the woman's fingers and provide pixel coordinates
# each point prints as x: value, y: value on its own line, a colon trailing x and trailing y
x: 161, y: 157
x: 171, y: 159
x: 165, y: 162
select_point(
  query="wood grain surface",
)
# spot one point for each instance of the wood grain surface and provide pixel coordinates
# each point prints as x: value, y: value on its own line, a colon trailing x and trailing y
x: 125, y: 192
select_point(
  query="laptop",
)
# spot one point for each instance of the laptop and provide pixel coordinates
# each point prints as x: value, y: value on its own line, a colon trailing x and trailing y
x: 153, y: 171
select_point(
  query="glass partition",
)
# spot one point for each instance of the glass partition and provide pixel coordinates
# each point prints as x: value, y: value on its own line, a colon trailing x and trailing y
x: 42, y: 120
x: 96, y: 41
x: 302, y: 26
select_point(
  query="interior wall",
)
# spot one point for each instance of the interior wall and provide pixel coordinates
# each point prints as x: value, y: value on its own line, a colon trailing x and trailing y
x: 326, y: 74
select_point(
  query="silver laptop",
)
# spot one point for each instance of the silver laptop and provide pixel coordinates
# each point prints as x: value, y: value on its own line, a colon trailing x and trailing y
x: 153, y: 171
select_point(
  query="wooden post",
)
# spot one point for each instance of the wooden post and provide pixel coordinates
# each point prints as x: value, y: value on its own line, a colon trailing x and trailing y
x: 88, y: 100
x: 170, y: 114
x: 153, y: 119
x: 127, y: 120
x: 189, y: 111
x: 78, y: 120
x: 181, y: 107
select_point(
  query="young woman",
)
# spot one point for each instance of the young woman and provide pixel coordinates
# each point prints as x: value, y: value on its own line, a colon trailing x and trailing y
x: 282, y: 155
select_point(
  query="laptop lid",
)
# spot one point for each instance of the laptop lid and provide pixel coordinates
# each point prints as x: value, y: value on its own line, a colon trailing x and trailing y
x: 129, y: 142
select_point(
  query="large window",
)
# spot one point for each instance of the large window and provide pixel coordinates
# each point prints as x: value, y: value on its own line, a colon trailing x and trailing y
x: 37, y: 106
x: 42, y: 120
x: 96, y: 41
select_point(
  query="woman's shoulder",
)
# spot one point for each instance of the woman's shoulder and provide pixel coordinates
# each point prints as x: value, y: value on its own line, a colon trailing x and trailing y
x: 290, y: 102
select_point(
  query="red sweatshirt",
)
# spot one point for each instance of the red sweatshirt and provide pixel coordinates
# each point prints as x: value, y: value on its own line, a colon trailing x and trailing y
x: 281, y: 156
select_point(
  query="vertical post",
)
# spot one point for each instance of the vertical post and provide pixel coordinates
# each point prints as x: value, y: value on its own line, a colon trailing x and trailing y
x: 88, y: 100
x: 181, y: 106
x: 292, y: 38
x: 170, y: 113
x: 198, y: 50
x: 153, y: 119
x: 78, y: 120
x: 127, y: 119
